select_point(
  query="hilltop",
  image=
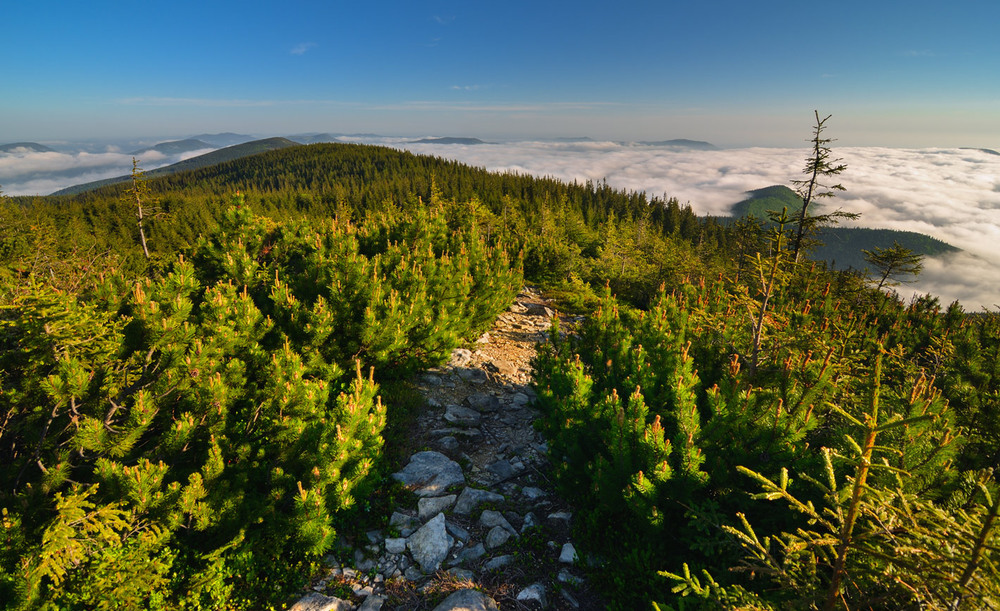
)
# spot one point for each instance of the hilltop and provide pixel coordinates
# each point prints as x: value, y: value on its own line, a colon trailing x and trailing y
x: 33, y: 147
x: 840, y: 247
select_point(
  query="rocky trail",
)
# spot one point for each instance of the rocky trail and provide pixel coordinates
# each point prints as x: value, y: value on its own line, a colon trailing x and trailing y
x: 487, y: 530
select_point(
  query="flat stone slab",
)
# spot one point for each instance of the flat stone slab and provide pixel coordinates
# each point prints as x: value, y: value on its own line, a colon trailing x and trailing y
x: 502, y: 469
x: 462, y: 416
x: 475, y: 376
x: 498, y: 562
x: 430, y: 473
x: 483, y: 402
x: 467, y: 600
x: 470, y: 498
x: 314, y: 601
x: 430, y: 506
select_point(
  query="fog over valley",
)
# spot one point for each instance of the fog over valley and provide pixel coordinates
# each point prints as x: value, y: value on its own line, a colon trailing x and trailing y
x: 950, y: 194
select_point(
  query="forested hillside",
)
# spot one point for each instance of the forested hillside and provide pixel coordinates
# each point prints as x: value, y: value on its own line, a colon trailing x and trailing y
x: 737, y: 429
x: 841, y: 247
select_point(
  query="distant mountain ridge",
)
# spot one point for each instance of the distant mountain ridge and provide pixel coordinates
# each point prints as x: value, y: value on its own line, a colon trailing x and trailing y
x: 202, y: 161
x: 34, y: 147
x: 314, y: 138
x: 698, y: 145
x: 175, y: 147
x: 841, y: 247
x: 448, y: 140
x: 225, y: 139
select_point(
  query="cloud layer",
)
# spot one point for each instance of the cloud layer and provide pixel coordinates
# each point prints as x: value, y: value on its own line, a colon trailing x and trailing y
x: 949, y: 194
x: 25, y: 172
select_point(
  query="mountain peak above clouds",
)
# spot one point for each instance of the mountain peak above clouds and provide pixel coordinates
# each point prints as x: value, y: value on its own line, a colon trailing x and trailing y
x: 30, y: 147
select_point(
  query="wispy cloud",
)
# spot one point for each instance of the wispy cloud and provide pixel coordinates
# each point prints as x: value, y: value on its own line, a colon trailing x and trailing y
x: 467, y: 87
x: 302, y: 47
x: 443, y: 19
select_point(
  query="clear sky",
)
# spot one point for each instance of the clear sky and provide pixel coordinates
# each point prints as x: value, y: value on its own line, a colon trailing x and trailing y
x: 734, y: 72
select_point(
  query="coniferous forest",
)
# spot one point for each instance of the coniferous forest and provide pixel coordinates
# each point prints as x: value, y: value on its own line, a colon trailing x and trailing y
x: 736, y: 425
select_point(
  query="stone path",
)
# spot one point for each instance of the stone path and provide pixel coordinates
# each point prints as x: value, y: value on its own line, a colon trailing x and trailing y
x: 487, y: 530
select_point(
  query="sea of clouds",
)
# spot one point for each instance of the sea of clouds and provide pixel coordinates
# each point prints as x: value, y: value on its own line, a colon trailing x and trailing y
x: 27, y: 172
x: 950, y: 194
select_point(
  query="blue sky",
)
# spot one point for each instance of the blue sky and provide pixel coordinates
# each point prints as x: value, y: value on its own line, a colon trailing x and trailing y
x: 736, y: 73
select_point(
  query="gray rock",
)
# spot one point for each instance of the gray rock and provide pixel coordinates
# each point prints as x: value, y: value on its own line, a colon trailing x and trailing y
x: 412, y: 573
x: 520, y: 398
x: 457, y: 531
x: 467, y: 600
x: 395, y: 546
x: 569, y: 598
x: 502, y: 469
x: 484, y: 338
x: 529, y: 521
x: 464, y: 574
x: 372, y: 603
x: 429, y: 546
x: 470, y: 498
x: 460, y: 357
x: 469, y: 554
x: 535, y: 593
x: 406, y: 525
x: 473, y: 376
x: 537, y: 309
x: 430, y: 379
x: 431, y: 473
x: 531, y: 493
x: 448, y: 443
x: 497, y: 536
x: 314, y: 601
x: 428, y: 507
x: 565, y: 576
x: 497, y: 563
x: 483, y: 402
x: 491, y: 518
x: 514, y: 518
x: 560, y: 516
x: 462, y: 416
x: 568, y: 554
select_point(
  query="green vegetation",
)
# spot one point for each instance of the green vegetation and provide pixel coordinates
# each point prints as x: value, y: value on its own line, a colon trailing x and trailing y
x: 737, y: 429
